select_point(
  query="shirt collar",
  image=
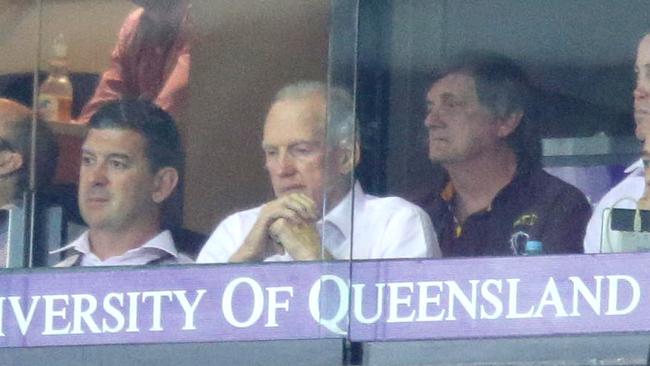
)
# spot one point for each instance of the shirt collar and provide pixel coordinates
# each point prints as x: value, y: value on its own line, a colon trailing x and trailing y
x: 81, y: 245
x: 447, y: 194
x: 635, y: 168
x: 340, y: 216
x: 522, y: 171
x: 163, y: 241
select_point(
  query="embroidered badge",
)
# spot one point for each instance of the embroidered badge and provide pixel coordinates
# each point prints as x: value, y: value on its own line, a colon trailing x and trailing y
x: 527, y: 219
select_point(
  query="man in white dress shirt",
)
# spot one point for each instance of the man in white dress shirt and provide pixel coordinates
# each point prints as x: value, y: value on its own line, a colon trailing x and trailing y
x: 311, y: 168
x: 130, y: 161
x: 630, y: 190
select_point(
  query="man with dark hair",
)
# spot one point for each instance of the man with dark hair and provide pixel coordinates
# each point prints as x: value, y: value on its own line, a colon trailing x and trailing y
x: 15, y: 146
x: 130, y: 165
x: 496, y: 199
x: 310, y: 159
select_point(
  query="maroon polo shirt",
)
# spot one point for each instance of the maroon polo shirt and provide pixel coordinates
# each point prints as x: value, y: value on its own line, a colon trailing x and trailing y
x: 534, y: 205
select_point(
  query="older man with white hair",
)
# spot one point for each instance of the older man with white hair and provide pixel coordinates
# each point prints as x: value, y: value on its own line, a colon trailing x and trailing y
x: 320, y: 211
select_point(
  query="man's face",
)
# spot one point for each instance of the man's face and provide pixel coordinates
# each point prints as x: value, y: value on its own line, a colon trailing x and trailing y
x: 5, y: 136
x: 12, y: 117
x: 115, y: 183
x: 642, y: 90
x: 294, y: 147
x: 459, y: 127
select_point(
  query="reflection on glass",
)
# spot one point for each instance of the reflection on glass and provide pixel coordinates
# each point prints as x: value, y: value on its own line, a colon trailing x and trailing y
x: 19, y: 20
x: 15, y: 137
x: 15, y: 184
x: 55, y: 93
x: 151, y: 59
x: 139, y: 50
x: 621, y: 220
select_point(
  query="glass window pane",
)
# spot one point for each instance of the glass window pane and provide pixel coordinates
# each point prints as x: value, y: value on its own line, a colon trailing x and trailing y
x: 417, y: 105
x: 19, y: 23
x: 73, y: 57
x: 580, y: 86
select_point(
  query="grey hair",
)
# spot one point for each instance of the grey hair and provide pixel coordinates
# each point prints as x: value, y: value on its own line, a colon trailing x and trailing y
x: 341, y: 127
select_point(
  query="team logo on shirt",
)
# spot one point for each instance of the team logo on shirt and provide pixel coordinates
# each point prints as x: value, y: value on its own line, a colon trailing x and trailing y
x: 527, y: 219
x: 518, y: 242
x: 522, y: 234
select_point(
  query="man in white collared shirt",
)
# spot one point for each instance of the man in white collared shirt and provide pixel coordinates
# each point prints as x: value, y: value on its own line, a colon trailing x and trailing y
x: 626, y: 194
x: 129, y: 166
x: 311, y: 173
x: 629, y: 191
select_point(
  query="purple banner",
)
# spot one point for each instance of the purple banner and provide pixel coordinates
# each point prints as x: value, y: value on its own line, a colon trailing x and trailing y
x: 501, y: 297
x: 158, y: 305
x: 384, y: 300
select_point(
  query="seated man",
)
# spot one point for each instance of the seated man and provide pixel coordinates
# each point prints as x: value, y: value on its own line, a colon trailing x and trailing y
x: 15, y: 145
x: 305, y: 166
x: 130, y: 160
x: 633, y: 191
x: 496, y: 198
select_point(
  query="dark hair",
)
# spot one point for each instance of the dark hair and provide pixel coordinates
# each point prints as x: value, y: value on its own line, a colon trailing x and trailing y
x: 18, y: 139
x: 503, y: 88
x: 163, y: 146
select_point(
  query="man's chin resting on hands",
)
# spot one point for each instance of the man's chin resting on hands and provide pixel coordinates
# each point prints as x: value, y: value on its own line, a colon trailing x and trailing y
x: 305, y: 164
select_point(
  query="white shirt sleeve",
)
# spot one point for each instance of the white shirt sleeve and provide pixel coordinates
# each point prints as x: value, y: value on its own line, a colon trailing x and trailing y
x: 592, y: 236
x: 623, y: 195
x: 223, y: 242
x: 409, y: 234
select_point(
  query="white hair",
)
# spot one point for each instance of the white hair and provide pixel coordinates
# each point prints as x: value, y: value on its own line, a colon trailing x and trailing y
x: 341, y: 124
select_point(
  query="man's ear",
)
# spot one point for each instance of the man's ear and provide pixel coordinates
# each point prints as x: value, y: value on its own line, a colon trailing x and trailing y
x: 509, y: 124
x: 165, y: 181
x: 10, y: 162
x: 348, y: 158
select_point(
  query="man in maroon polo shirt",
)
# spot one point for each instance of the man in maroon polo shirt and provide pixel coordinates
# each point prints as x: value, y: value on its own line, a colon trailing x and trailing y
x: 496, y: 199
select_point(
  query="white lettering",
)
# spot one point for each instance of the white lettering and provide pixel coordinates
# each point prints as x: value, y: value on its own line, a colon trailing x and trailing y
x: 315, y: 298
x: 394, y: 302
x: 113, y: 312
x: 425, y: 300
x: 273, y: 304
x: 357, y: 292
x: 258, y: 302
x: 23, y: 321
x: 82, y: 315
x: 156, y: 311
x: 468, y: 304
x: 51, y: 313
x: 2, y: 315
x: 551, y: 297
x: 592, y: 299
x: 188, y: 308
x: 512, y: 301
x: 612, y: 308
x: 492, y: 299
x: 133, y: 312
